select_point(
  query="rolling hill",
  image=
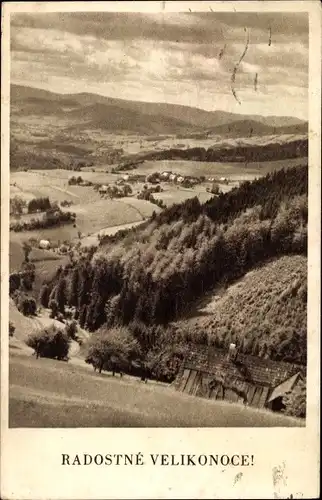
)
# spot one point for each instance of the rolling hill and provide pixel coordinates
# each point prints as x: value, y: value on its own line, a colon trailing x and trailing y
x: 50, y: 130
x: 116, y: 118
x: 144, y: 117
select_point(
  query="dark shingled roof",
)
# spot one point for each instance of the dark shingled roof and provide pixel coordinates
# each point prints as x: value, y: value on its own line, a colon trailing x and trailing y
x: 253, y: 369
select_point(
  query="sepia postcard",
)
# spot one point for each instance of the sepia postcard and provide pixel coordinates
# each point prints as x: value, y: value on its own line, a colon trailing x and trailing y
x: 160, y: 250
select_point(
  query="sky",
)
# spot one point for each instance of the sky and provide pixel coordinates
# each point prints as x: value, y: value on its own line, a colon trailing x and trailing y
x: 181, y: 58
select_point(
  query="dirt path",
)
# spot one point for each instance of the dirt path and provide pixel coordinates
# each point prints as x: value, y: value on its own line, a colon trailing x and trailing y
x: 134, y: 207
x: 64, y: 191
x: 43, y: 174
x: 108, y: 231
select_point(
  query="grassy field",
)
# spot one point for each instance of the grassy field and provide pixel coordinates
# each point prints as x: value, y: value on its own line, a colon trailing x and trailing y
x: 37, y: 255
x: 173, y: 194
x: 98, y: 216
x: 143, y: 207
x: 47, y: 393
x: 209, y: 141
x: 93, y: 213
x: 92, y: 217
x: 25, y: 326
x: 233, y: 171
x: 46, y: 262
x: 39, y: 184
x: 110, y: 231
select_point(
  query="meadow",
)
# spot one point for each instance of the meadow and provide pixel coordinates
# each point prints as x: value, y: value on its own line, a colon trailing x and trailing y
x: 175, y: 194
x: 46, y: 262
x: 48, y: 393
x: 233, y: 171
x: 93, y: 213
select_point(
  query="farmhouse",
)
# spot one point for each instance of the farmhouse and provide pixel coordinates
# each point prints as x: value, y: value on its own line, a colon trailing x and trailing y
x: 228, y: 375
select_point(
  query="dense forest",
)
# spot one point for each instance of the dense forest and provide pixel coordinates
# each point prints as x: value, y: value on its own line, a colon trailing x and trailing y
x: 149, y: 277
x: 249, y: 153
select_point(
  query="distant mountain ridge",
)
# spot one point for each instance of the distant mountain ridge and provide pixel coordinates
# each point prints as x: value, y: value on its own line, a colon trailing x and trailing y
x: 99, y: 112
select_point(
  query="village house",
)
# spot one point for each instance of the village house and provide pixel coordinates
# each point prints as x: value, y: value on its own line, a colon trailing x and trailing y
x: 44, y: 244
x: 180, y: 179
x: 231, y: 376
x: 172, y: 177
x: 103, y: 189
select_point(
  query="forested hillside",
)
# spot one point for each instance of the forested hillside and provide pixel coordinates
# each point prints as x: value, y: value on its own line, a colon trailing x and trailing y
x: 151, y: 276
x: 264, y: 312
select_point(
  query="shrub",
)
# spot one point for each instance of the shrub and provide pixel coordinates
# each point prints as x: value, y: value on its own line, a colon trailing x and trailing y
x: 72, y: 181
x: 12, y: 329
x: 28, y: 275
x: 44, y: 295
x: 53, y: 305
x: 66, y: 203
x: 17, y: 205
x: 26, y: 248
x: 52, y: 217
x: 50, y: 342
x: 60, y: 317
x: 41, y: 204
x: 295, y: 401
x: 71, y: 329
x: 68, y: 314
x: 165, y: 363
x: 112, y: 349
x: 27, y: 306
x: 215, y: 188
x: 14, y: 282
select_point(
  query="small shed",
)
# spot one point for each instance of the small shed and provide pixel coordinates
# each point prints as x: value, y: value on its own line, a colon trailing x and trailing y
x: 44, y: 244
x: 229, y: 375
x: 103, y: 189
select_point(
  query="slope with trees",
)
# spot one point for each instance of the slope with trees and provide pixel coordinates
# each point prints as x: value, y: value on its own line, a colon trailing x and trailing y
x: 154, y: 275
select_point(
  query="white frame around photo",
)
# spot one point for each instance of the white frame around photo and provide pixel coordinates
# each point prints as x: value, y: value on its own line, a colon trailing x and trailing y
x: 281, y: 463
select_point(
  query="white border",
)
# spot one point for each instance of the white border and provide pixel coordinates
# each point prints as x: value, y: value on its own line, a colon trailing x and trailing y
x: 30, y: 458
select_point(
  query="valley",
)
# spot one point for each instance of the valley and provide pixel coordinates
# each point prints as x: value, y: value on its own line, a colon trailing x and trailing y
x: 166, y: 229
